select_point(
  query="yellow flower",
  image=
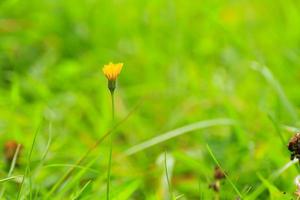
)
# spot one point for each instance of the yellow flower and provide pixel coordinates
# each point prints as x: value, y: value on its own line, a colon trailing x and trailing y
x: 112, y: 71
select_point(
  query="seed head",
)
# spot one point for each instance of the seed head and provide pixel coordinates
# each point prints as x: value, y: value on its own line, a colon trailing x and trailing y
x: 294, y: 146
x: 219, y: 174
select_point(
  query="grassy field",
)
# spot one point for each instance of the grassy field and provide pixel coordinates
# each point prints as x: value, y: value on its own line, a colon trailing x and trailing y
x: 205, y: 83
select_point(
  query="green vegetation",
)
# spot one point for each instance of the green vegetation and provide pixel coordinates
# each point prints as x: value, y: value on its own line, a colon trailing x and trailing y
x: 205, y: 83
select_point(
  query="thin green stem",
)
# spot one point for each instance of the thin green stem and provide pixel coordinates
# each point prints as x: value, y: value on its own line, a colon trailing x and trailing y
x: 110, y: 148
x: 109, y: 170
x: 112, y: 105
x: 28, y: 166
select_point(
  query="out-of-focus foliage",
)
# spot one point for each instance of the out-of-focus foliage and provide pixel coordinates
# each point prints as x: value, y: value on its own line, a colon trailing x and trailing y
x: 188, y: 61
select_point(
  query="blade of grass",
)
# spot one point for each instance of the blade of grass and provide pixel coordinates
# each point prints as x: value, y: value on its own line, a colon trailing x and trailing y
x: 227, y: 177
x: 12, y: 167
x: 277, y: 130
x: 44, y: 155
x: 177, y: 132
x: 179, y: 196
x: 108, y: 177
x: 71, y: 165
x: 10, y: 178
x: 71, y: 183
x: 126, y: 191
x: 90, y: 150
x: 48, y: 143
x: 82, y: 190
x: 273, y: 177
x: 27, y: 170
x: 267, y: 74
x: 275, y: 193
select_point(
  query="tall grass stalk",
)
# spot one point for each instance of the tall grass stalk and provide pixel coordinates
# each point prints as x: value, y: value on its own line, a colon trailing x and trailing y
x: 28, y: 166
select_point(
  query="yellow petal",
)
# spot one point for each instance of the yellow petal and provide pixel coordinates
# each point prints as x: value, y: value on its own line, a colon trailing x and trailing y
x: 112, y: 71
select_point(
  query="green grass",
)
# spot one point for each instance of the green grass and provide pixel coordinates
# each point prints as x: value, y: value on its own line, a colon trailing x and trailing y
x: 218, y: 73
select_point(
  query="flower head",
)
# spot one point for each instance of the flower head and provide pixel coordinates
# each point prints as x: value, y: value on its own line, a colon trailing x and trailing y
x: 112, y: 71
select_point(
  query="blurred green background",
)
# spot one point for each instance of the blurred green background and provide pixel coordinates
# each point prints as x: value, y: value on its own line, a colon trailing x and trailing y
x: 189, y: 61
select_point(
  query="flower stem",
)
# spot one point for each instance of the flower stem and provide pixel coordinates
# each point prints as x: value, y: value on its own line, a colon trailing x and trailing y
x: 112, y: 105
x: 110, y: 148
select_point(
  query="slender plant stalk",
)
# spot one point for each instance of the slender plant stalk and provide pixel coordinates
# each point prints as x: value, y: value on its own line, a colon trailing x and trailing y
x: 112, y: 105
x: 110, y: 147
x: 28, y: 165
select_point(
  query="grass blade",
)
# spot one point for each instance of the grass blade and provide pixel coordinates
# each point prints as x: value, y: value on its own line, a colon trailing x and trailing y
x: 82, y: 190
x: 12, y: 167
x: 127, y: 191
x: 73, y: 166
x: 278, y: 130
x: 9, y: 178
x: 278, y: 89
x: 90, y: 150
x: 27, y: 170
x: 177, y: 132
x: 273, y: 177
